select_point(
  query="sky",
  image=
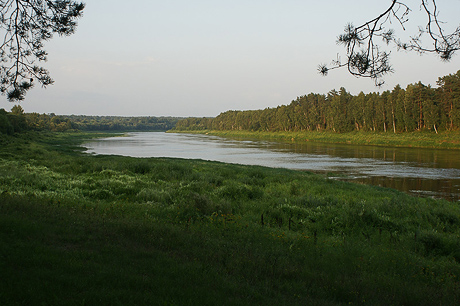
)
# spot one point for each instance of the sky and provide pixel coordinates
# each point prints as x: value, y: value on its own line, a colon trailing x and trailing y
x: 200, y: 58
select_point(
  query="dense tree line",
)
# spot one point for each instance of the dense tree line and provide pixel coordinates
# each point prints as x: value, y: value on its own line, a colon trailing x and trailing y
x: 118, y: 123
x: 418, y: 107
x: 18, y: 121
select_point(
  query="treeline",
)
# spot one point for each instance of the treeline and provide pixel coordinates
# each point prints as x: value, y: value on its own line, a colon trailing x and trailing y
x: 418, y: 107
x: 118, y: 123
x: 18, y: 121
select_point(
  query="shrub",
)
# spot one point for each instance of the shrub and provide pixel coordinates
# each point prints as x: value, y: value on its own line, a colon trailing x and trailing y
x: 234, y: 191
x: 5, y: 125
x: 140, y: 167
x: 436, y: 244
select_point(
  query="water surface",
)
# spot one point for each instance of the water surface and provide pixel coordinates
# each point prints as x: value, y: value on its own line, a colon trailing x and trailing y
x: 426, y: 172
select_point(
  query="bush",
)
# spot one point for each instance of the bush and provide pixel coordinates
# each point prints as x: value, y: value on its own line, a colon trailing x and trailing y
x: 5, y: 125
x: 238, y: 192
x: 435, y: 244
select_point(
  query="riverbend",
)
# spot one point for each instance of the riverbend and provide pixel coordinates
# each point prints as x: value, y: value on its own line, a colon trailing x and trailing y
x: 419, y: 171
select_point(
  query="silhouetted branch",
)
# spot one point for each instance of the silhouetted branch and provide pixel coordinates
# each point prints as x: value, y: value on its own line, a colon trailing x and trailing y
x: 365, y: 58
x: 27, y: 25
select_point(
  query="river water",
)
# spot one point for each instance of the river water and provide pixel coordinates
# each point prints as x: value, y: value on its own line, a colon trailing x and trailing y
x: 424, y: 172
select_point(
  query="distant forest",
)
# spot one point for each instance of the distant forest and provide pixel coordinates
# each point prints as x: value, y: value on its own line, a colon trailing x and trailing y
x: 418, y: 107
x: 117, y: 123
x: 18, y: 121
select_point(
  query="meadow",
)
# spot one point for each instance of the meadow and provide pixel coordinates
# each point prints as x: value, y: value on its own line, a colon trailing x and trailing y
x: 79, y: 229
x: 418, y: 139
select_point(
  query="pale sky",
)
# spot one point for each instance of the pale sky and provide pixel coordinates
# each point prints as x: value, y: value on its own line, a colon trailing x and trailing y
x: 201, y: 58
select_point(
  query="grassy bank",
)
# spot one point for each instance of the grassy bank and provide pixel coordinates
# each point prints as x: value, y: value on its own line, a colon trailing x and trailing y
x: 77, y: 229
x: 444, y: 140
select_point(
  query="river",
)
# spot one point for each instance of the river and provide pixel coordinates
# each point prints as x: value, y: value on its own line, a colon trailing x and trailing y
x: 423, y: 172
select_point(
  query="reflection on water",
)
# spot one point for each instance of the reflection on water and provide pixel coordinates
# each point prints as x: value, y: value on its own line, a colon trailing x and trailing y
x: 426, y: 172
x: 444, y: 188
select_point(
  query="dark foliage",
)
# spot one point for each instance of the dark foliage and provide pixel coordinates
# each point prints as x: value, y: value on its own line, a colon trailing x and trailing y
x: 365, y: 57
x: 27, y: 24
x: 18, y: 121
x: 118, y: 123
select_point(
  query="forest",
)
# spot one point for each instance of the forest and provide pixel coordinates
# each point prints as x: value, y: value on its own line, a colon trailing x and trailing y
x: 18, y: 121
x: 119, y: 123
x: 418, y: 107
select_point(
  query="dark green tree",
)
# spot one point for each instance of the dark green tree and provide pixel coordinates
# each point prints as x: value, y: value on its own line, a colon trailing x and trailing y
x: 17, y: 119
x: 25, y: 25
x: 5, y: 125
x: 411, y: 110
x: 431, y: 114
x: 369, y: 111
x: 357, y: 110
x: 266, y: 119
x: 450, y: 97
x: 340, y: 108
x: 381, y: 112
x: 391, y: 109
x: 17, y: 110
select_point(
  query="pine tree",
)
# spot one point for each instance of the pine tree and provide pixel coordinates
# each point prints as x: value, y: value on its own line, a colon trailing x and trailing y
x: 27, y: 25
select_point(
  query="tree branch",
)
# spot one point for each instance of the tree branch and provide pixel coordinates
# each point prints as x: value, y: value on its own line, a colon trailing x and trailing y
x: 27, y: 24
x: 370, y: 61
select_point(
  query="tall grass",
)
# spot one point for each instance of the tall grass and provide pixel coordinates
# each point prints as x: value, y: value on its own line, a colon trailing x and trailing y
x: 109, y: 230
x: 422, y: 139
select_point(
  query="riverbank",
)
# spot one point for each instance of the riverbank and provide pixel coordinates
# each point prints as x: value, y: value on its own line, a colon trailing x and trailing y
x: 444, y: 140
x: 82, y: 229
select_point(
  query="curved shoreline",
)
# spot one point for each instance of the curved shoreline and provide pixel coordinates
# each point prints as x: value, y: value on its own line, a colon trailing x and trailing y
x: 445, y: 140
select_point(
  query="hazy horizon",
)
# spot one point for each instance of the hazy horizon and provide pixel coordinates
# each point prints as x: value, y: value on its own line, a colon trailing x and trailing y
x: 199, y: 59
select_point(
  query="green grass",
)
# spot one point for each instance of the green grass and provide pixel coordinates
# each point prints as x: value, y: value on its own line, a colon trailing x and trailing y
x: 424, y: 139
x: 77, y: 229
